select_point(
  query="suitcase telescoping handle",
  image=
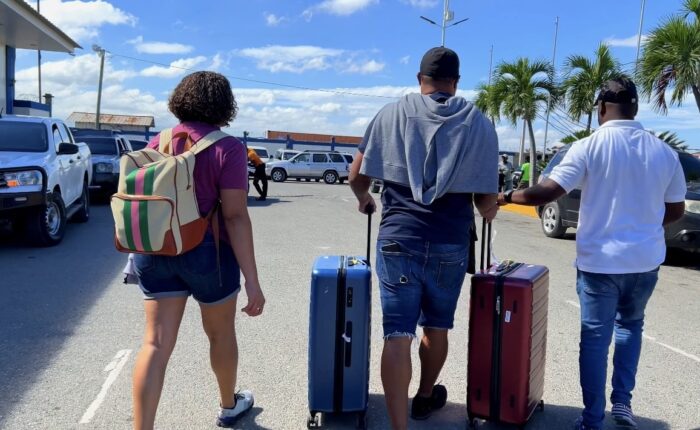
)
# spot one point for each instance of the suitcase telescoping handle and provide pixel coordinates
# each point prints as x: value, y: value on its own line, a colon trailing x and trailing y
x: 369, y: 212
x: 485, y: 245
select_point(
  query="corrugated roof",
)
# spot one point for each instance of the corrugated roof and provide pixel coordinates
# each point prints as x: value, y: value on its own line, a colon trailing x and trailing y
x: 314, y: 137
x: 110, y: 119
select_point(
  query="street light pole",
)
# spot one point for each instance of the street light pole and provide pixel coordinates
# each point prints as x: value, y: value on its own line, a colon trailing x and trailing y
x: 549, y: 101
x: 490, y: 64
x: 639, y: 35
x: 447, y: 16
x: 101, y: 52
x: 38, y: 52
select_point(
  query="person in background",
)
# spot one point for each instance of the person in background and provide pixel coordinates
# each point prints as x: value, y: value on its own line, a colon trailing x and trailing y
x: 427, y: 221
x: 505, y: 168
x: 525, y: 175
x: 202, y: 102
x: 259, y: 175
x: 619, y: 243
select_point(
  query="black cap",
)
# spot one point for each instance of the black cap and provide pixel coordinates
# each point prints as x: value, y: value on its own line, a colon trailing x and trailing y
x: 440, y: 63
x: 618, y: 91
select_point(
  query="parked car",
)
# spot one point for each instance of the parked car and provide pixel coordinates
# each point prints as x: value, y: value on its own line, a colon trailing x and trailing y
x: 285, y: 154
x: 138, y: 145
x: 327, y: 165
x: 562, y: 214
x: 107, y: 147
x: 44, y: 178
x: 348, y: 157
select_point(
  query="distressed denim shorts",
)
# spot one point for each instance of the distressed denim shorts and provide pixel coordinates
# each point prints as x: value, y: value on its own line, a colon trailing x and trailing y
x: 193, y: 273
x: 419, y: 284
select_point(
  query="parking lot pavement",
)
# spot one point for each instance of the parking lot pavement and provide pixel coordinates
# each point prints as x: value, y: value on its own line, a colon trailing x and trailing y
x: 69, y: 329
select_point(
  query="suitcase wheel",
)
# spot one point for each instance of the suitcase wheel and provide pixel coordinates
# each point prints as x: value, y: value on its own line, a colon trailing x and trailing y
x: 313, y: 421
x: 362, y: 420
x: 541, y: 406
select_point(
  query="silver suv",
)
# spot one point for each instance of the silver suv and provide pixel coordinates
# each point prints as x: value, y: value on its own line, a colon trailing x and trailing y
x: 327, y: 165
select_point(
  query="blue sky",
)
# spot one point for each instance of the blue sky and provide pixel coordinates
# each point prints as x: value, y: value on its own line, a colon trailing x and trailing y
x: 369, y: 47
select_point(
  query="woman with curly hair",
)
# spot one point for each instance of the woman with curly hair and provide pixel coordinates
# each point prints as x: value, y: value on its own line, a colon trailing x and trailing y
x: 203, y: 102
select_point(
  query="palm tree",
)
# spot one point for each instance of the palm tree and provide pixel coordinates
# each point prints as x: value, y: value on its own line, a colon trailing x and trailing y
x: 487, y: 103
x: 671, y: 59
x: 672, y: 140
x: 576, y: 136
x: 522, y: 90
x: 584, y: 77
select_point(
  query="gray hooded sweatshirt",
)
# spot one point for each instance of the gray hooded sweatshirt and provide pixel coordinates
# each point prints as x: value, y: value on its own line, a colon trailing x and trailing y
x: 433, y: 148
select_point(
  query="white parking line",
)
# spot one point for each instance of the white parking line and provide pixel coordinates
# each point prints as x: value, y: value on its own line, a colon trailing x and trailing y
x: 114, y: 368
x: 653, y: 340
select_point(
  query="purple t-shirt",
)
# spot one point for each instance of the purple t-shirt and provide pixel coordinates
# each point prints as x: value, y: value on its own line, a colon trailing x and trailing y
x: 223, y: 166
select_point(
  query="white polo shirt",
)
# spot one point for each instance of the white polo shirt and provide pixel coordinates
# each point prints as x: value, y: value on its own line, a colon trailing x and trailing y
x: 626, y: 175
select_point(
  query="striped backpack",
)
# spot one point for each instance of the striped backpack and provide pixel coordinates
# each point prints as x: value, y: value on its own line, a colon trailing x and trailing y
x: 155, y: 209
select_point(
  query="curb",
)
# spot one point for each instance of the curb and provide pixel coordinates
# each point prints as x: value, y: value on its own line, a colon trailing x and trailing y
x: 528, y: 211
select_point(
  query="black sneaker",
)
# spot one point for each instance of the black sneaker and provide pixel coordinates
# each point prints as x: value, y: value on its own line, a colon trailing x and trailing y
x: 423, y: 407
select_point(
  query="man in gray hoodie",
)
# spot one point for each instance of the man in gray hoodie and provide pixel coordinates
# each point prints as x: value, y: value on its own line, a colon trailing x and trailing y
x: 438, y: 156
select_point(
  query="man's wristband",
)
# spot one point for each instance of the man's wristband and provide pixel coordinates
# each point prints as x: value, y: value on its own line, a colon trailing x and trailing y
x: 508, y: 196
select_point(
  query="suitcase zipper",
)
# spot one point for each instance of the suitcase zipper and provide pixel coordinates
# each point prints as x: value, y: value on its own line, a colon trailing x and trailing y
x: 339, y: 362
x: 496, y: 352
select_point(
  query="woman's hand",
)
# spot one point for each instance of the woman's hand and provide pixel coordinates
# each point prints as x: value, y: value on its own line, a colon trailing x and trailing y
x: 256, y: 299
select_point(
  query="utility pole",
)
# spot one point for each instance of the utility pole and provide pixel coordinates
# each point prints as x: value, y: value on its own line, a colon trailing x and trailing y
x: 490, y: 64
x: 447, y: 17
x: 549, y: 100
x: 101, y: 52
x: 639, y: 35
x: 38, y: 10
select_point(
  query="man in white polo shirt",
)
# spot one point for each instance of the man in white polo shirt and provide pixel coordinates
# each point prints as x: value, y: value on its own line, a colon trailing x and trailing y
x: 632, y: 185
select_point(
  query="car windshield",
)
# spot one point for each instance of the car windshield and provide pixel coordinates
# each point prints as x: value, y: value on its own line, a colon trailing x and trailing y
x: 554, y: 162
x: 23, y: 137
x: 289, y: 155
x: 691, y: 167
x: 101, y: 145
x: 138, y: 145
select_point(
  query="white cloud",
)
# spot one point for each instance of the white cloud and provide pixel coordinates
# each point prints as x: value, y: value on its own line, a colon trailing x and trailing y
x: 365, y: 68
x: 177, y: 68
x: 421, y: 3
x: 273, y: 20
x: 629, y: 42
x: 302, y: 58
x: 295, y: 59
x: 82, y: 19
x: 159, y: 47
x: 405, y: 60
x: 217, y: 62
x: 339, y: 7
x: 327, y: 107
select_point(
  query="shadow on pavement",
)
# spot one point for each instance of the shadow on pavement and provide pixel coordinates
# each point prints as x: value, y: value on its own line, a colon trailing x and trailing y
x: 248, y: 422
x: 46, y: 292
x: 454, y: 416
x: 252, y: 202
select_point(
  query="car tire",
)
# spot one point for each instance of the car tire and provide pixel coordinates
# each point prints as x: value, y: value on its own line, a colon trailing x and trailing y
x: 552, y: 224
x: 46, y: 226
x: 278, y: 175
x: 83, y: 214
x: 330, y: 177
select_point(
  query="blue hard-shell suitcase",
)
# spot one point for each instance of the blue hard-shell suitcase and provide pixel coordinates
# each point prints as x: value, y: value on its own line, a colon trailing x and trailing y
x: 339, y: 338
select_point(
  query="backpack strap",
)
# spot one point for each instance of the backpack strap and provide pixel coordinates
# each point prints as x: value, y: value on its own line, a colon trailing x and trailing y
x: 165, y: 138
x: 208, y: 141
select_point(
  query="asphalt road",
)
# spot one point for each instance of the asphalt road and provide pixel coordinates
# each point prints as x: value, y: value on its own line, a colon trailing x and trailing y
x: 69, y: 329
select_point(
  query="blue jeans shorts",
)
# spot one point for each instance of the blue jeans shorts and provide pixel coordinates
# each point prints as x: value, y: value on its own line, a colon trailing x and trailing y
x: 192, y: 273
x: 420, y: 283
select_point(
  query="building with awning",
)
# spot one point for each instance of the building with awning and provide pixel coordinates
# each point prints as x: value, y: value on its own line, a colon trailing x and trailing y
x: 22, y: 27
x: 131, y: 125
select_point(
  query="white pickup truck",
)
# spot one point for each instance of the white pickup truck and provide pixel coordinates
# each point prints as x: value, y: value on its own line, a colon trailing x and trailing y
x: 44, y: 178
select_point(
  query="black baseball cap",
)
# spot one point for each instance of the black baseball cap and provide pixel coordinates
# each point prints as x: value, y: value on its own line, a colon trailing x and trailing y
x: 618, y: 91
x: 440, y: 62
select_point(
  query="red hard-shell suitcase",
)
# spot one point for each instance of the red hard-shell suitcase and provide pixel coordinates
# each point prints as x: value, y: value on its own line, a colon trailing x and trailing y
x: 507, y: 340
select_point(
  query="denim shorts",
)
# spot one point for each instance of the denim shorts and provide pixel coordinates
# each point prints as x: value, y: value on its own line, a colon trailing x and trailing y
x: 420, y: 283
x: 192, y: 273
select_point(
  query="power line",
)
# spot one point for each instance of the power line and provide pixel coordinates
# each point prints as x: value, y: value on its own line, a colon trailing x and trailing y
x: 257, y: 81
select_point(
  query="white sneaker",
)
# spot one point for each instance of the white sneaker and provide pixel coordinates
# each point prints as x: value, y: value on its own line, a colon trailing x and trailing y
x: 244, y: 403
